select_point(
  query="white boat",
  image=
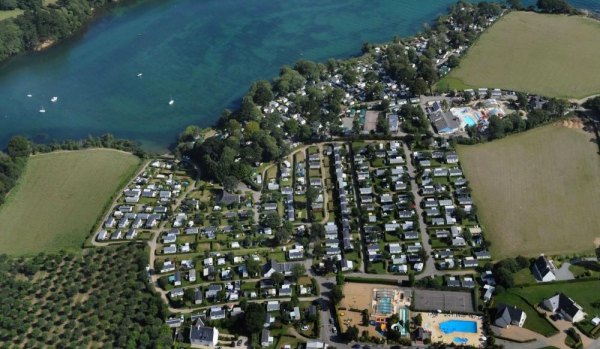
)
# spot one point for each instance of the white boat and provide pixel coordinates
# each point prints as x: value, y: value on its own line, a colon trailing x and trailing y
x: 29, y: 95
x: 140, y: 74
x: 54, y: 99
x: 42, y: 110
x: 171, y: 101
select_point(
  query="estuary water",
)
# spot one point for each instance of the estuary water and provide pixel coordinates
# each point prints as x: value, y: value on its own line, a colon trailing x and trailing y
x: 204, y: 54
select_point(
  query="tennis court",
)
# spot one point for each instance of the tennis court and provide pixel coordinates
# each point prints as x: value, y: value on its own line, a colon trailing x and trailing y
x: 444, y: 301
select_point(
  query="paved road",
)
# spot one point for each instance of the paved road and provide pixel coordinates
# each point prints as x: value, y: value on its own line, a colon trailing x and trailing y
x: 429, y: 268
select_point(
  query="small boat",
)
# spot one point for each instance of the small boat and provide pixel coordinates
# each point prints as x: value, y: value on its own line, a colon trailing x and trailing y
x: 53, y: 99
x: 29, y: 95
x: 42, y: 110
x: 140, y: 74
x: 171, y: 101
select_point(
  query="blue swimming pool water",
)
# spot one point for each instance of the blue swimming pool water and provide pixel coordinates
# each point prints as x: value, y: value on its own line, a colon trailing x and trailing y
x: 469, y: 120
x: 460, y: 340
x: 451, y: 326
x: 385, y: 306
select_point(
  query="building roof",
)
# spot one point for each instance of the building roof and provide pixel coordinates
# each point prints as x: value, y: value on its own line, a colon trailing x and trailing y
x: 199, y: 332
x: 507, y: 314
x: 225, y: 198
x: 565, y: 304
x: 444, y: 121
x: 543, y: 265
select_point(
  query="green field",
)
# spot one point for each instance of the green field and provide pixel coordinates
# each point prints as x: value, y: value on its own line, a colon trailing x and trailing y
x: 583, y: 293
x: 537, y: 192
x: 9, y: 14
x: 59, y: 199
x: 552, y: 55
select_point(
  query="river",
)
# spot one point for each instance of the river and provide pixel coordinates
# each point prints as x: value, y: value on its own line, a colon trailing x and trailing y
x: 203, y: 53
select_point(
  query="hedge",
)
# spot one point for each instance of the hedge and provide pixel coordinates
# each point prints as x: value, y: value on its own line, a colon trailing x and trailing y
x: 516, y: 340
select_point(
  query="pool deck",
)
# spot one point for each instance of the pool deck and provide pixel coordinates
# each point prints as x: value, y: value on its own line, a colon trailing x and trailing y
x: 431, y: 322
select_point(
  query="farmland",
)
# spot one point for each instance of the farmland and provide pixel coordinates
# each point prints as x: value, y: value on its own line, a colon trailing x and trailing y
x: 543, y: 54
x: 537, y: 191
x: 59, y: 199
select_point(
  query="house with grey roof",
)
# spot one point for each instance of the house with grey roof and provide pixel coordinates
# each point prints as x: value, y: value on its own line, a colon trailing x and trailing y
x: 507, y: 315
x: 203, y: 336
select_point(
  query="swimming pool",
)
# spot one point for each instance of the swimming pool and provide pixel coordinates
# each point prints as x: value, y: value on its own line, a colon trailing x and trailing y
x: 385, y: 306
x: 469, y: 120
x: 458, y: 326
x: 460, y: 340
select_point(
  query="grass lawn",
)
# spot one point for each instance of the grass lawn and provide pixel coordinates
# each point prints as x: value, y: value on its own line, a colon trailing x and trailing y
x: 59, y: 199
x: 584, y: 293
x: 449, y: 83
x: 536, y: 191
x: 550, y: 55
x: 524, y: 276
x: 10, y: 14
x: 534, y: 322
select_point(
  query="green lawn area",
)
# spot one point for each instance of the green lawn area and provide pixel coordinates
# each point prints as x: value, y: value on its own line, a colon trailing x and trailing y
x: 584, y: 293
x: 550, y: 55
x: 10, y: 14
x: 524, y: 276
x: 449, y: 83
x: 579, y: 269
x: 60, y: 198
x: 534, y: 322
x: 526, y: 205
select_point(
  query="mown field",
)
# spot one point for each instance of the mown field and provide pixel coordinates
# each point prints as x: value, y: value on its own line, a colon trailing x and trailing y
x: 59, y: 199
x: 537, y: 192
x: 551, y: 55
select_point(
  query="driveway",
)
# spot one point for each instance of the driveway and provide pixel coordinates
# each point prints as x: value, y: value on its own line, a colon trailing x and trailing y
x: 563, y: 273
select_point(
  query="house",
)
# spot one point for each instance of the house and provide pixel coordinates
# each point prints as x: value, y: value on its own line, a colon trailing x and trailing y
x: 225, y: 199
x: 273, y: 266
x: 451, y: 158
x: 217, y: 313
x: 565, y: 307
x: 470, y: 262
x: 346, y: 265
x: 102, y: 235
x: 170, y: 249
x: 273, y: 306
x: 285, y: 292
x: 198, y: 296
x: 509, y: 315
x: 482, y: 255
x: 459, y: 242
x: 176, y: 292
x: 296, y: 315
x: 395, y: 248
x: 177, y: 279
x: 316, y: 345
x: 265, y: 338
x: 488, y: 293
x: 269, y: 319
x: 393, y: 122
x: 468, y: 283
x: 453, y: 282
x: 174, y: 322
x: 543, y: 270
x: 203, y: 336
x: 192, y: 275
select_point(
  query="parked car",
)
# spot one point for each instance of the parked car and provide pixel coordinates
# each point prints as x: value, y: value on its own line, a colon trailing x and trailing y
x: 334, y: 330
x: 239, y: 342
x: 304, y: 328
x: 330, y: 320
x: 356, y: 346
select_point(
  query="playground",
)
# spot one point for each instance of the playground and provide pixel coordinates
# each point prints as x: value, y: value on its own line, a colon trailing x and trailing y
x: 451, y: 328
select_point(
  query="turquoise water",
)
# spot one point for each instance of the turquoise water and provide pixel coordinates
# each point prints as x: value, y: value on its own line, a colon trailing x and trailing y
x: 451, y: 326
x: 203, y: 53
x: 460, y: 340
x: 385, y: 306
x: 469, y: 120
